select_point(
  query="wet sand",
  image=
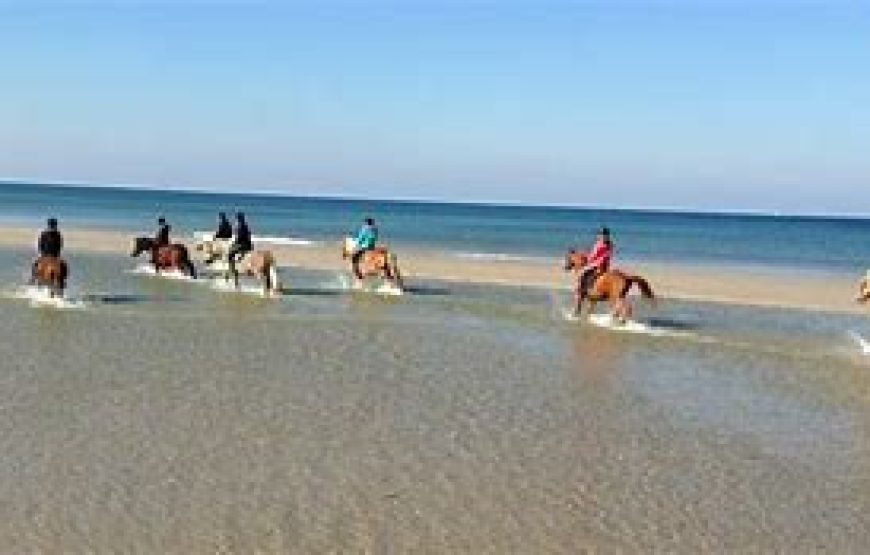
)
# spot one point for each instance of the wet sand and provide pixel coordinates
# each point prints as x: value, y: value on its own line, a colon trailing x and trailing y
x: 747, y: 286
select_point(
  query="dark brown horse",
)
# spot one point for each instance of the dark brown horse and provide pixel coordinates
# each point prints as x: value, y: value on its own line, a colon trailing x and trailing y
x: 612, y: 286
x: 378, y: 262
x: 51, y: 272
x: 167, y: 257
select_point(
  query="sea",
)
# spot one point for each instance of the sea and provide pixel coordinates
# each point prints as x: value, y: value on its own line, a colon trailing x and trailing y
x: 166, y: 415
x: 814, y: 243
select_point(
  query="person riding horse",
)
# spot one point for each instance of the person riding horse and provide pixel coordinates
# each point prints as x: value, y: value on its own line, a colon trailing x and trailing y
x: 864, y: 289
x: 599, y: 260
x: 49, y: 244
x: 50, y: 270
x: 224, y: 233
x: 366, y: 239
x: 161, y: 239
x: 243, y: 243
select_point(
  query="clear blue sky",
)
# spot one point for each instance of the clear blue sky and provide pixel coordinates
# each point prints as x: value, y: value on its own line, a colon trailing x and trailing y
x: 712, y: 104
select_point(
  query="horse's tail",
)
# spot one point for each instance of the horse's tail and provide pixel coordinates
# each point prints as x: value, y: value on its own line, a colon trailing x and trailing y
x: 272, y: 281
x: 397, y: 274
x: 644, y: 287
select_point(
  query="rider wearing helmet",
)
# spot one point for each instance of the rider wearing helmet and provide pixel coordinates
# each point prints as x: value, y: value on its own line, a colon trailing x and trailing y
x: 50, y: 244
x: 599, y: 261
x: 366, y: 239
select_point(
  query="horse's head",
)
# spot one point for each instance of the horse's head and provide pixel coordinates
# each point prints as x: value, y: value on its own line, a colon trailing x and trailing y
x: 140, y: 245
x: 575, y: 260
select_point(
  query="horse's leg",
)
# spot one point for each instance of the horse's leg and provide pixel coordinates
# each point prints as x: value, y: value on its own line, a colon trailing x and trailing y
x: 266, y: 278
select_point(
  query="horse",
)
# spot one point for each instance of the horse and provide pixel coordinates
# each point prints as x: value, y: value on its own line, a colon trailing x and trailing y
x: 168, y: 257
x: 214, y: 251
x: 612, y: 285
x: 259, y: 264
x: 864, y: 289
x: 379, y: 262
x: 51, y: 272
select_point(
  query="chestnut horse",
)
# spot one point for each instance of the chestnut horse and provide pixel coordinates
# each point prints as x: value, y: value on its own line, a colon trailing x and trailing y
x: 864, y: 289
x: 378, y: 262
x: 612, y: 285
x: 51, y: 272
x: 169, y: 257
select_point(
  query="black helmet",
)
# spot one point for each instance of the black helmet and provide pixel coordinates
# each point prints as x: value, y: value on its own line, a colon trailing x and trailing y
x: 240, y: 216
x: 52, y: 223
x: 222, y: 215
x: 161, y: 220
x: 370, y: 221
x: 605, y: 231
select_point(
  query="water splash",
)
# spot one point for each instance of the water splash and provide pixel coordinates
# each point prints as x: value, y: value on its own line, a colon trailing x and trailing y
x: 40, y: 297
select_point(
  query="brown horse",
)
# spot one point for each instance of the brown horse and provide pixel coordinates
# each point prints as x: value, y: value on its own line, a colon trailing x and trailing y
x: 612, y: 285
x: 167, y: 257
x: 51, y: 272
x: 259, y: 264
x: 378, y: 262
x: 864, y: 289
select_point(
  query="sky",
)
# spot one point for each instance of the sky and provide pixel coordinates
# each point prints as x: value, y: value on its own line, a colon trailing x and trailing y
x: 708, y: 104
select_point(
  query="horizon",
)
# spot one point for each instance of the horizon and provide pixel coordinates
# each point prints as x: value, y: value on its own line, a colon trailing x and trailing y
x: 710, y: 107
x: 435, y: 201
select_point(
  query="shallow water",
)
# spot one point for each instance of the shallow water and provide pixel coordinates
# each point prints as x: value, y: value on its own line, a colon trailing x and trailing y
x: 169, y: 417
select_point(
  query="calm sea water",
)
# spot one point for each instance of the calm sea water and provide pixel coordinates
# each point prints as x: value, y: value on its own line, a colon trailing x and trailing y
x: 789, y: 242
x: 165, y: 416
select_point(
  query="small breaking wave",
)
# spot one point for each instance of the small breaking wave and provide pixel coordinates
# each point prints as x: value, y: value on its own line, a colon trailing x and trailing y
x: 267, y: 239
x: 500, y: 257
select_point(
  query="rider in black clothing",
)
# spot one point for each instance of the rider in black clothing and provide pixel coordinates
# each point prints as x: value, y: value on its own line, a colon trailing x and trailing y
x: 161, y: 239
x: 50, y: 244
x: 243, y: 243
x: 225, y: 230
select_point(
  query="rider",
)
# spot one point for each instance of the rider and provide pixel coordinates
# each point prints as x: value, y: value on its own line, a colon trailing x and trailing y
x: 243, y: 243
x: 599, y: 261
x: 224, y: 233
x: 50, y: 244
x: 225, y: 229
x: 161, y: 239
x: 366, y: 238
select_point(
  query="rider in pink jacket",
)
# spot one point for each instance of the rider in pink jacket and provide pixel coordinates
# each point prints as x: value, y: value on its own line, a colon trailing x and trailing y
x: 599, y: 261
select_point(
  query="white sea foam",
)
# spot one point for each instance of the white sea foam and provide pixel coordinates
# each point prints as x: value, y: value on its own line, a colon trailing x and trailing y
x: 607, y: 321
x: 148, y: 270
x: 41, y: 297
x: 862, y: 343
x: 225, y: 286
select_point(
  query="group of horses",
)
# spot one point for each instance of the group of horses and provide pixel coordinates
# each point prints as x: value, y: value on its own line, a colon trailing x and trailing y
x: 611, y: 286
x: 52, y: 272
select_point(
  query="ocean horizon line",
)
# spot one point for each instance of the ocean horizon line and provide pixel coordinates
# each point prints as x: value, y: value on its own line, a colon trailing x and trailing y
x: 192, y: 189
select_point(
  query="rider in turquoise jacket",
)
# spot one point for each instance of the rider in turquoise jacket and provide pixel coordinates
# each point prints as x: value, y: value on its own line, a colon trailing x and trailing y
x: 366, y: 239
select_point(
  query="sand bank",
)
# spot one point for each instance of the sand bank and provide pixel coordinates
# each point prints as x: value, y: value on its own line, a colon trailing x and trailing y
x: 750, y: 286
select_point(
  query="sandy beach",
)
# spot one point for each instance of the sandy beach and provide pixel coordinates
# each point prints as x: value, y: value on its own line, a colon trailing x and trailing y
x: 749, y: 286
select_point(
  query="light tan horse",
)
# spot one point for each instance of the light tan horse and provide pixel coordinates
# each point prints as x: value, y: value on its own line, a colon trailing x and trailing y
x: 215, y: 252
x: 258, y: 264
x: 864, y: 289
x: 51, y: 272
x: 378, y: 262
x: 612, y: 286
